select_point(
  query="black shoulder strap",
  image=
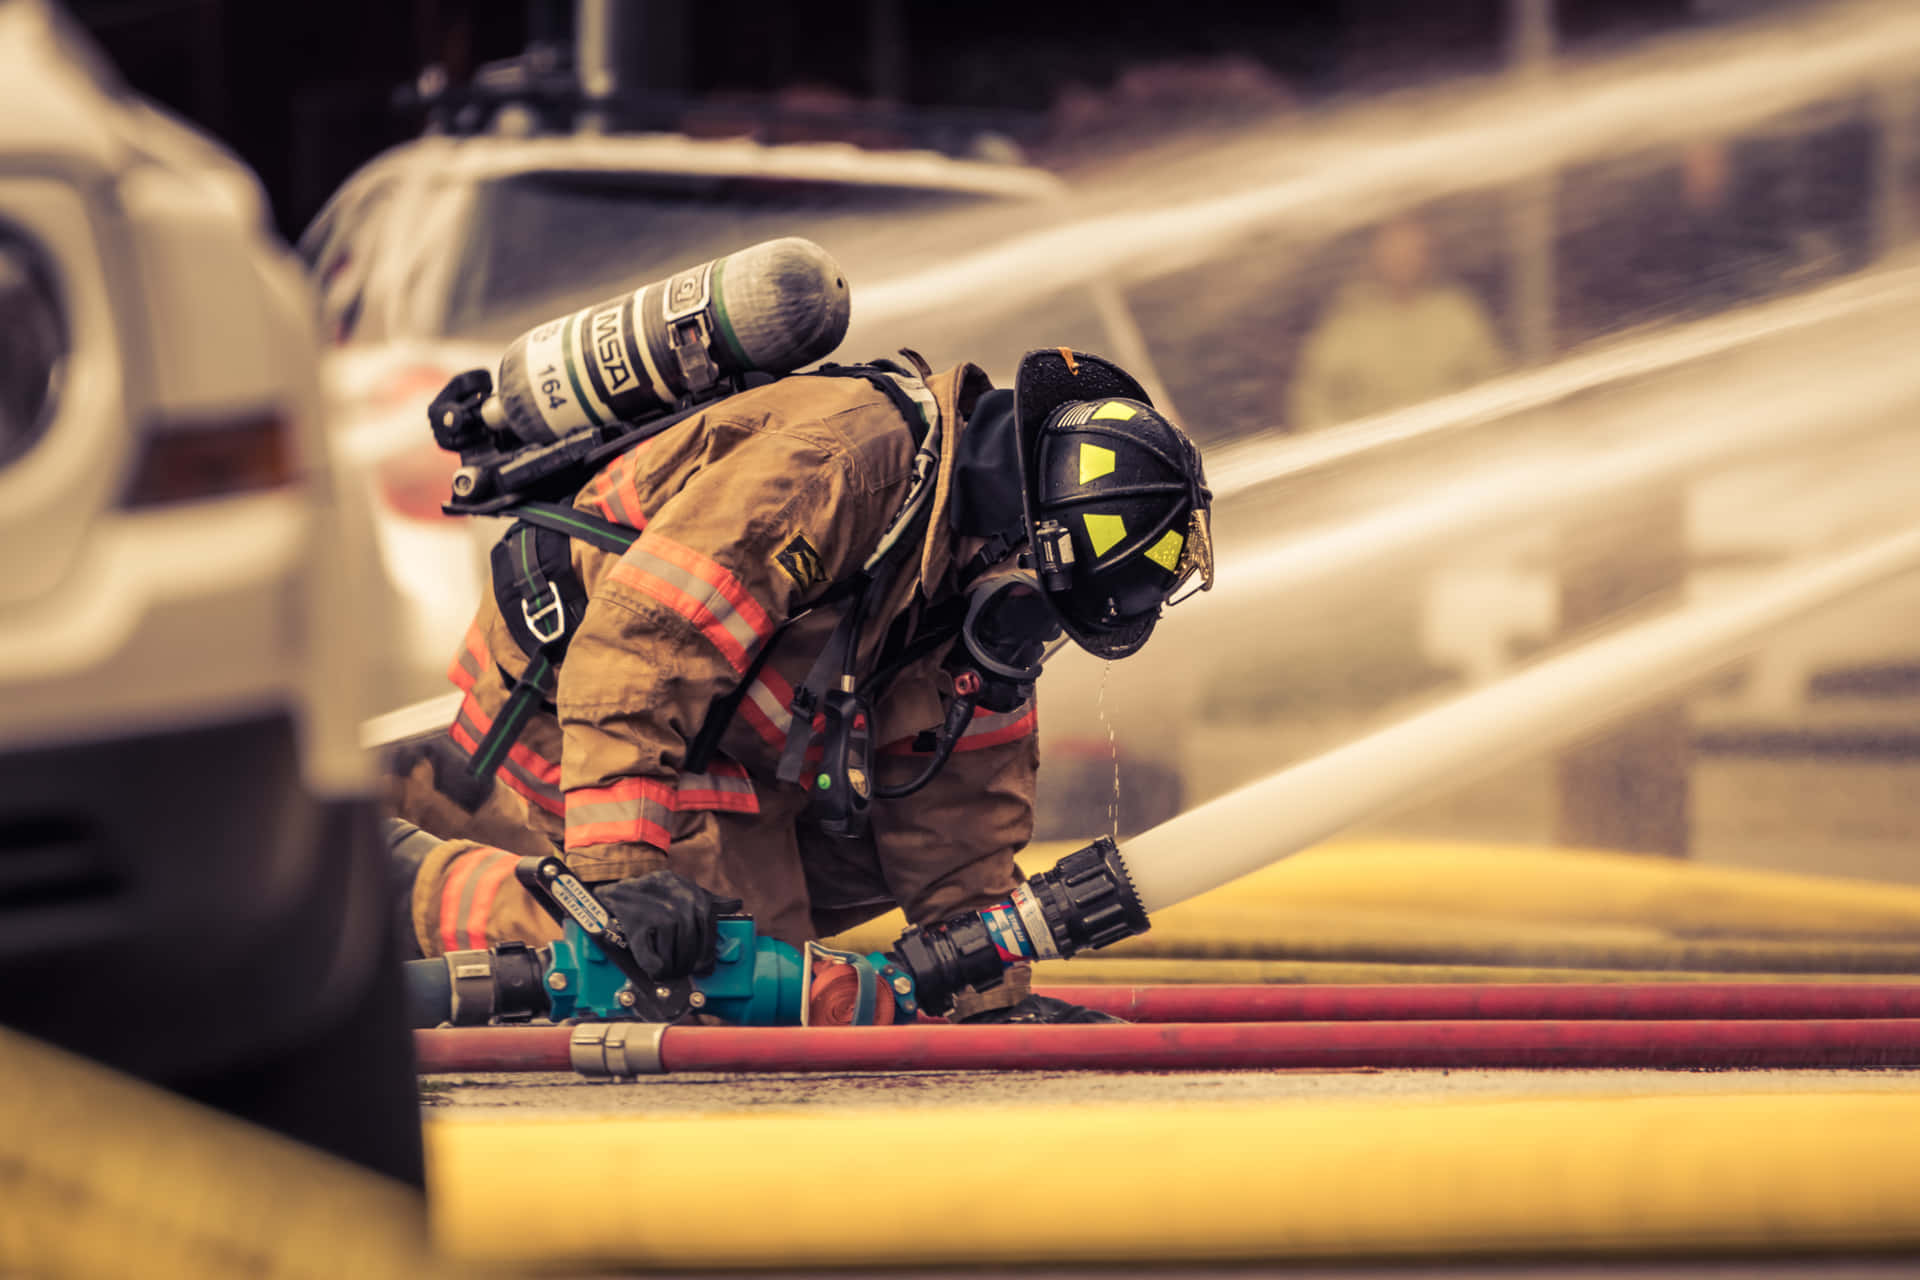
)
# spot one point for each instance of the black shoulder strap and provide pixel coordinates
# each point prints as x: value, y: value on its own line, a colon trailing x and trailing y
x: 542, y: 600
x: 881, y: 374
x: 575, y: 523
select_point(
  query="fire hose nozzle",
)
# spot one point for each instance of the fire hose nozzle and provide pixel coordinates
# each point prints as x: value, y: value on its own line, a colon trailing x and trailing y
x: 1085, y: 902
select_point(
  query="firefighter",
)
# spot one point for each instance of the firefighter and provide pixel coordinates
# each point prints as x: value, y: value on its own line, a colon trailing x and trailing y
x: 1063, y: 508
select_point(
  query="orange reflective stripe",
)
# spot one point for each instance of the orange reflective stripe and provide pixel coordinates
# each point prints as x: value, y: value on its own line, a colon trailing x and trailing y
x: 691, y: 597
x: 766, y: 707
x: 470, y: 725
x: 486, y: 887
x: 595, y: 496
x: 987, y: 729
x: 639, y: 810
x: 524, y: 770
x: 686, y: 606
x: 615, y: 491
x: 623, y: 490
x: 472, y: 659
x: 544, y: 797
x: 991, y: 729
x: 631, y: 811
x: 450, y: 891
x: 724, y: 788
x: 538, y: 767
x: 714, y: 575
x: 615, y: 505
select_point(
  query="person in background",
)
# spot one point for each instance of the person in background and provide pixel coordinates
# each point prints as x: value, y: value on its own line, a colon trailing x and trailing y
x: 1393, y: 336
x: 1704, y: 234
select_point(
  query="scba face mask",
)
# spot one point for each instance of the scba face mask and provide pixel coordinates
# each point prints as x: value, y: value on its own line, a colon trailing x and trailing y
x: 1010, y: 629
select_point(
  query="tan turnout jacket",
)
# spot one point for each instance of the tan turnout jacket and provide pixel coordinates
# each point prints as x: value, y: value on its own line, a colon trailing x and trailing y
x: 749, y: 512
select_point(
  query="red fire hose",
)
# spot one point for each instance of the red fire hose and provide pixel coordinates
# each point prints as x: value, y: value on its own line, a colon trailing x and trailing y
x: 1510, y: 1001
x: 1192, y: 1047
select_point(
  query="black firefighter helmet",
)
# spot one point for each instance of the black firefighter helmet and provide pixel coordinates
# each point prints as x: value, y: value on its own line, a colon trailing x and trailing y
x: 1115, y: 500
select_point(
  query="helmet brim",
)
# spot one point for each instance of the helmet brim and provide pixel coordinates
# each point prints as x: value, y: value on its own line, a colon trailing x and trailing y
x: 1048, y: 378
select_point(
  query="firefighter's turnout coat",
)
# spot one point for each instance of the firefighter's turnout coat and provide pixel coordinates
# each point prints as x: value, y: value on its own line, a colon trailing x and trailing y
x: 750, y: 511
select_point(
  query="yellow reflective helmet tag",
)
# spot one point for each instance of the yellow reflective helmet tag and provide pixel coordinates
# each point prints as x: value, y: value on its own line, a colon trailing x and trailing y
x: 1115, y: 409
x: 1104, y: 531
x: 1166, y: 552
x: 1094, y: 462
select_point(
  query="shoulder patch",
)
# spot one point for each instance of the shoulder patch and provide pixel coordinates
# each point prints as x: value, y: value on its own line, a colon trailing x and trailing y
x: 799, y: 561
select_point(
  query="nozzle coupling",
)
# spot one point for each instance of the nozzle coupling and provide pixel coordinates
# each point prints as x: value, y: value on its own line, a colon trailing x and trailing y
x: 1085, y: 902
x: 506, y: 983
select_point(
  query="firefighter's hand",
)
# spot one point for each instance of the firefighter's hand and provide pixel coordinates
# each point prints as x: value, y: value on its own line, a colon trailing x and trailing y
x: 670, y: 922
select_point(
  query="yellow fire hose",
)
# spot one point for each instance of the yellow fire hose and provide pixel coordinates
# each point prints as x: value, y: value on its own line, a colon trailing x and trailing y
x: 103, y: 1175
x: 1525, y: 883
x: 1404, y: 938
x: 1193, y: 1183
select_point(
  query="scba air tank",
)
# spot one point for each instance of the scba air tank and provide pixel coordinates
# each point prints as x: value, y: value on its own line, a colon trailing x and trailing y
x: 772, y: 308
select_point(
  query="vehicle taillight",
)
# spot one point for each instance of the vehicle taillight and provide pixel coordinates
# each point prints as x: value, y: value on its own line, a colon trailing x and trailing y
x: 414, y: 482
x: 180, y: 462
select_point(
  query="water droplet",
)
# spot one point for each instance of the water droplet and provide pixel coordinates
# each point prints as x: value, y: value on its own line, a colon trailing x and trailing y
x: 1113, y: 752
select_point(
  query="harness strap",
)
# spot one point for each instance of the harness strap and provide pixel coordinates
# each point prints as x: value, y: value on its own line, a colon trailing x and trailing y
x: 526, y: 695
x: 908, y: 393
x: 988, y: 556
x: 542, y: 601
x: 575, y: 523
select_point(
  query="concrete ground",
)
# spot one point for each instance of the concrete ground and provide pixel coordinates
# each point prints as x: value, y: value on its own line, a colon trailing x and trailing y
x: 566, y: 1093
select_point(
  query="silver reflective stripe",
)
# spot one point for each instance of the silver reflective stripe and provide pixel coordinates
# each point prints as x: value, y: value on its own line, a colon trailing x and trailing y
x: 998, y: 720
x: 725, y: 783
x: 698, y: 589
x: 637, y: 809
x: 769, y: 705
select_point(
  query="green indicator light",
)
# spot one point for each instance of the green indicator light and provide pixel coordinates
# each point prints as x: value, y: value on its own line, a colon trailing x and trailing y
x: 824, y: 782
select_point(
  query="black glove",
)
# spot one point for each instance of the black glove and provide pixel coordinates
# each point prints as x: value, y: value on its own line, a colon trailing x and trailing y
x: 671, y: 923
x: 1034, y: 1008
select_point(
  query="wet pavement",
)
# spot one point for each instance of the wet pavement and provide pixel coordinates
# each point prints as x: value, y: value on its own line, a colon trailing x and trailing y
x: 559, y: 1092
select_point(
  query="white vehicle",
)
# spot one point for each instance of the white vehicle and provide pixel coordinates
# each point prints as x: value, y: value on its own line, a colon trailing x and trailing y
x: 438, y: 253
x: 185, y: 831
